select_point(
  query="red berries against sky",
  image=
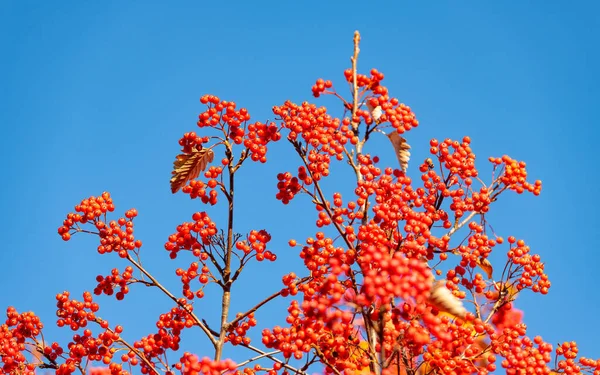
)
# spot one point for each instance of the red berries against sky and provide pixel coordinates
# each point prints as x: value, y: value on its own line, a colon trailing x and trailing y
x: 365, y: 293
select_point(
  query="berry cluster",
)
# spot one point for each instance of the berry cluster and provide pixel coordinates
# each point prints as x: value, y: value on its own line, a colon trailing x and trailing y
x: 320, y: 256
x: 107, y: 284
x: 73, y: 313
x: 320, y: 86
x: 457, y: 157
x: 522, y: 355
x: 192, y: 236
x: 259, y: 135
x: 237, y: 333
x: 17, y: 328
x: 199, y: 189
x: 190, y: 142
x: 257, y: 242
x: 289, y: 186
x: 325, y: 134
x: 530, y: 270
x: 90, y: 209
x: 190, y: 365
x: 192, y: 273
x: 515, y: 175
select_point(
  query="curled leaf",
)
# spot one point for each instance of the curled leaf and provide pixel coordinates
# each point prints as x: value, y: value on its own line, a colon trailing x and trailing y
x: 376, y: 112
x: 187, y: 167
x: 486, y: 266
x: 401, y: 148
x: 443, y: 299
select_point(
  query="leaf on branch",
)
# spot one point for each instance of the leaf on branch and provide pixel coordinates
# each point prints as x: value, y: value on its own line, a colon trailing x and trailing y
x: 486, y: 266
x: 443, y: 299
x: 187, y: 167
x: 376, y: 112
x: 401, y: 148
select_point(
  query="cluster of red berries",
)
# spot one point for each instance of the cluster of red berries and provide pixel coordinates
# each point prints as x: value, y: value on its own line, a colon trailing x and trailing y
x: 522, y: 354
x: 73, y: 313
x: 515, y: 175
x: 530, y: 266
x: 237, y: 333
x: 392, y: 276
x: 115, y: 238
x: 90, y: 209
x: 187, y: 276
x: 107, y: 284
x: 257, y: 242
x: 320, y: 255
x: 323, y: 133
x: 288, y: 187
x: 13, y: 335
x: 371, y: 83
x: 205, y: 191
x: 457, y: 157
x: 191, y: 142
x: 320, y: 86
x: 507, y: 316
x: 329, y: 332
x: 259, y: 135
x: 221, y: 111
x: 192, y: 236
x: 189, y: 364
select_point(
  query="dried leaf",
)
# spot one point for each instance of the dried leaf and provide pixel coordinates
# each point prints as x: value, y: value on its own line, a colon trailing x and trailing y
x: 401, y: 148
x: 486, y: 266
x: 187, y: 167
x: 376, y: 112
x: 445, y: 301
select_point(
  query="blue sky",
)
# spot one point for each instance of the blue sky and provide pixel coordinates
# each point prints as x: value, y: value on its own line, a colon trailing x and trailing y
x: 95, y: 96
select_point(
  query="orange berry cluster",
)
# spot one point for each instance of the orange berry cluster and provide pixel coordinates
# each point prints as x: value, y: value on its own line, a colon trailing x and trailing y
x: 17, y: 328
x: 507, y: 317
x: 399, y: 115
x: 531, y: 269
x: 321, y: 256
x: 237, y: 333
x: 192, y: 236
x: 90, y: 209
x: 190, y: 365
x: 73, y: 313
x: 289, y: 186
x: 221, y: 111
x: 259, y: 135
x: 522, y: 354
x: 323, y: 133
x: 199, y: 189
x: 256, y: 242
x: 392, y: 276
x: 329, y: 332
x: 107, y: 284
x: 515, y: 175
x: 190, y: 142
x: 320, y: 86
x: 457, y: 157
x: 113, y: 237
x: 168, y: 337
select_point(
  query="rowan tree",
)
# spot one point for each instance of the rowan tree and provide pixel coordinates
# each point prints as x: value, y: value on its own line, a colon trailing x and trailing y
x: 396, y: 278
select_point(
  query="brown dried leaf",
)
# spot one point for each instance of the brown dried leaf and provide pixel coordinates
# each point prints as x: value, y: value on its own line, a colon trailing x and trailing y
x: 486, y: 266
x: 401, y: 148
x: 445, y: 301
x: 187, y: 167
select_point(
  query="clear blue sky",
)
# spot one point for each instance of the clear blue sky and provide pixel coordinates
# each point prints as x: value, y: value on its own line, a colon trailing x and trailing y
x: 95, y: 95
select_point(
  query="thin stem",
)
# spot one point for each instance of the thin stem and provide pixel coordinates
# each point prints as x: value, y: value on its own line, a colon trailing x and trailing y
x: 171, y: 296
x: 226, y: 299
